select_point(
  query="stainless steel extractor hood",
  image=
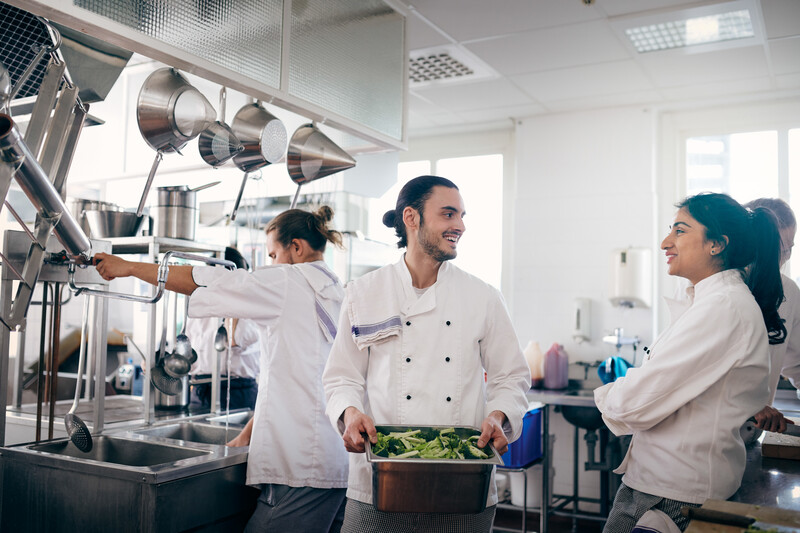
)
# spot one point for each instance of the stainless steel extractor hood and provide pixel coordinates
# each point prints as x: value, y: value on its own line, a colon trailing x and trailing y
x: 93, y: 65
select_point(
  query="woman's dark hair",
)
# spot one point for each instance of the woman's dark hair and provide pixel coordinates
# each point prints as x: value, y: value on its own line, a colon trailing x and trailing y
x: 310, y: 226
x: 779, y: 208
x: 752, y: 246
x: 233, y: 255
x: 413, y: 194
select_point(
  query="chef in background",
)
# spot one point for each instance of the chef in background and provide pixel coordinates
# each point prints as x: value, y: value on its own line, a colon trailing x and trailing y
x: 785, y: 357
x: 707, y: 372
x: 244, y: 354
x: 295, y: 456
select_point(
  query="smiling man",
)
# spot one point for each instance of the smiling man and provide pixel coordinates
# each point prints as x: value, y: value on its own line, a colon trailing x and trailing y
x: 429, y: 345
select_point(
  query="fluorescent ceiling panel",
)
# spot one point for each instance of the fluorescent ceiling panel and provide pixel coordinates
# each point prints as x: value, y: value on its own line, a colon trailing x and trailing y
x: 704, y: 28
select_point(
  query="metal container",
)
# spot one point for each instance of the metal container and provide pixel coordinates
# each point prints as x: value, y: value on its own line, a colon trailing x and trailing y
x: 178, y: 401
x: 175, y: 213
x: 78, y: 206
x: 109, y: 224
x: 431, y: 485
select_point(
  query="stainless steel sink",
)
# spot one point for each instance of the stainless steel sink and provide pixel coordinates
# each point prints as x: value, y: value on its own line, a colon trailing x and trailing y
x: 192, y: 432
x: 240, y: 418
x: 583, y: 417
x: 122, y: 451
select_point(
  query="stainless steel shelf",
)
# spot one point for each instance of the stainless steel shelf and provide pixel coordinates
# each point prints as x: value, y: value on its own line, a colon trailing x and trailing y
x: 141, y: 245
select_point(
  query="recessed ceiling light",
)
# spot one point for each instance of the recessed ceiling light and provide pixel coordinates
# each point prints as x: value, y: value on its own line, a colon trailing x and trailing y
x: 708, y: 28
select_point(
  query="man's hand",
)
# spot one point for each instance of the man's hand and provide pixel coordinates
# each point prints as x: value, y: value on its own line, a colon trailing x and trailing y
x: 111, y: 266
x: 243, y: 438
x: 770, y: 419
x: 492, y: 430
x: 356, y: 425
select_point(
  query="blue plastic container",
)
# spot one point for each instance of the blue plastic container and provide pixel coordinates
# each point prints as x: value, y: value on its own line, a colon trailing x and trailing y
x: 528, y: 447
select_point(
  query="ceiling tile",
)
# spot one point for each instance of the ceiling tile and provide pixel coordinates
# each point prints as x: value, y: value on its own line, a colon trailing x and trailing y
x: 781, y: 17
x: 718, y: 89
x: 605, y: 100
x: 789, y: 81
x: 421, y: 35
x: 673, y: 68
x: 466, y: 20
x: 552, y: 48
x: 466, y: 96
x: 582, y: 82
x: 503, y: 113
x: 615, y: 8
x: 785, y: 55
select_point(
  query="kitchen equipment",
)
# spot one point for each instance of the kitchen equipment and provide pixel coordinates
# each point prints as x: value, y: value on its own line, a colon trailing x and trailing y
x: 431, y: 485
x: 735, y: 520
x: 221, y: 338
x: 161, y: 380
x: 109, y: 224
x: 175, y: 212
x: 76, y: 429
x: 78, y: 206
x: 170, y: 112
x: 176, y: 366
x: 217, y: 143
x: 264, y: 139
x: 183, y: 346
x: 312, y: 155
x: 5, y: 88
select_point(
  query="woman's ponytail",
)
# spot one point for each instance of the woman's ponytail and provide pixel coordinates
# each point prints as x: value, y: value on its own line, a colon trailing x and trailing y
x: 763, y: 275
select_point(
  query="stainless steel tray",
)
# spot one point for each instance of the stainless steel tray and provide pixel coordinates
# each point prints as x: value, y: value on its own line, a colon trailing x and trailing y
x: 431, y: 485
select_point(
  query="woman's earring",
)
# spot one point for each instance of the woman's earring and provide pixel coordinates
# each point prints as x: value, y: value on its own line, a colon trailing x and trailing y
x: 713, y: 251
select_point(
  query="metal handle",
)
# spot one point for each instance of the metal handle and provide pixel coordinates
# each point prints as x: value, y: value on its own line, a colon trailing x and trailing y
x: 149, y: 182
x: 239, y: 196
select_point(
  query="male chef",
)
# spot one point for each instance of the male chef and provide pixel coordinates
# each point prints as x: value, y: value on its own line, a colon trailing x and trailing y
x: 421, y: 342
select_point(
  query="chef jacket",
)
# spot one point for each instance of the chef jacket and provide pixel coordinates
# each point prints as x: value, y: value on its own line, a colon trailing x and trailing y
x: 785, y: 357
x: 292, y: 441
x: 703, y: 377
x: 244, y: 360
x: 431, y: 372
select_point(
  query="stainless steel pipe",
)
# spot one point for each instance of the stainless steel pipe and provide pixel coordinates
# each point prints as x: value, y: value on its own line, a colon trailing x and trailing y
x: 40, y: 191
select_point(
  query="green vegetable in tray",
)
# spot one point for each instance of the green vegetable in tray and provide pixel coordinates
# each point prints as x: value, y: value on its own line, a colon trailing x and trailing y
x: 429, y: 444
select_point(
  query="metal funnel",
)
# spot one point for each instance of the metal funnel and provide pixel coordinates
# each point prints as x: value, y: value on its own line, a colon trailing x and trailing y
x: 312, y: 155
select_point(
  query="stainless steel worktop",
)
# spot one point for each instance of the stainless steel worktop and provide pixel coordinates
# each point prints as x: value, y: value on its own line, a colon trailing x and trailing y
x: 579, y: 393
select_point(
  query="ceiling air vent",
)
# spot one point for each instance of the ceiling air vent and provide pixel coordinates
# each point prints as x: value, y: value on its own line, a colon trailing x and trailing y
x: 445, y: 64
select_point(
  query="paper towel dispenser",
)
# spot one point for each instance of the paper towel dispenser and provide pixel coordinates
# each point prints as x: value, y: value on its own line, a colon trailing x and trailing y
x: 631, y: 277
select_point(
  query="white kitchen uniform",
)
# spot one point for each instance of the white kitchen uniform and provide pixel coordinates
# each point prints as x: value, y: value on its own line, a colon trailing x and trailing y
x: 295, y: 307
x: 427, y: 368
x: 785, y: 357
x: 704, y: 376
x: 244, y: 356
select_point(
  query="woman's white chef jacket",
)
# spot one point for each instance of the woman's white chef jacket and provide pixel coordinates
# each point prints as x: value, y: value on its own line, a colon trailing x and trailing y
x: 704, y: 376
x: 432, y: 373
x: 292, y: 442
x: 785, y: 357
x: 245, y: 356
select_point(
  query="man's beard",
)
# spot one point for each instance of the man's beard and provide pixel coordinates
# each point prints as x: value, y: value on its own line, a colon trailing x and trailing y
x: 429, y: 246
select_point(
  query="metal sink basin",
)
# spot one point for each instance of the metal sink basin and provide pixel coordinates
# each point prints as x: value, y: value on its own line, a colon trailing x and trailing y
x: 192, y: 432
x: 583, y: 417
x: 121, y: 451
x: 239, y: 419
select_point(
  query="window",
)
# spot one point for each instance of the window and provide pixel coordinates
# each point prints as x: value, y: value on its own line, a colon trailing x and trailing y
x: 480, y: 181
x: 747, y: 166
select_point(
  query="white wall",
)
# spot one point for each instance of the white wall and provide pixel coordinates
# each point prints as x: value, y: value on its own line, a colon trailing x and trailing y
x: 584, y: 187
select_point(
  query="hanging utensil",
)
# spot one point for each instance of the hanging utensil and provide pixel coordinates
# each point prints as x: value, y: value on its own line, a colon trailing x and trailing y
x: 170, y: 112
x: 217, y: 143
x: 160, y: 379
x: 175, y: 212
x: 183, y: 346
x: 221, y: 338
x: 264, y: 139
x: 5, y: 89
x: 312, y: 155
x: 76, y: 429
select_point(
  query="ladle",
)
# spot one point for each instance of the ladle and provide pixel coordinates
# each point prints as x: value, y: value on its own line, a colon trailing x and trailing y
x: 217, y: 143
x: 221, y: 338
x: 176, y: 365
x: 183, y: 346
x: 76, y: 428
x: 160, y: 379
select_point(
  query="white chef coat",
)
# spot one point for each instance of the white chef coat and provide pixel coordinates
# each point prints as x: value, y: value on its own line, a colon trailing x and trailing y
x: 432, y: 372
x: 292, y: 441
x: 785, y: 357
x: 245, y: 355
x: 704, y: 376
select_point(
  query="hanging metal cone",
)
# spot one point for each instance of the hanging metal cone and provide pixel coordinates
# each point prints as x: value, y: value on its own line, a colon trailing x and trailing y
x: 312, y: 155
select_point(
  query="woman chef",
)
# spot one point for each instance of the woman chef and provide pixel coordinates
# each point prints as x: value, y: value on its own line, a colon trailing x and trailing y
x: 707, y: 372
x: 295, y: 454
